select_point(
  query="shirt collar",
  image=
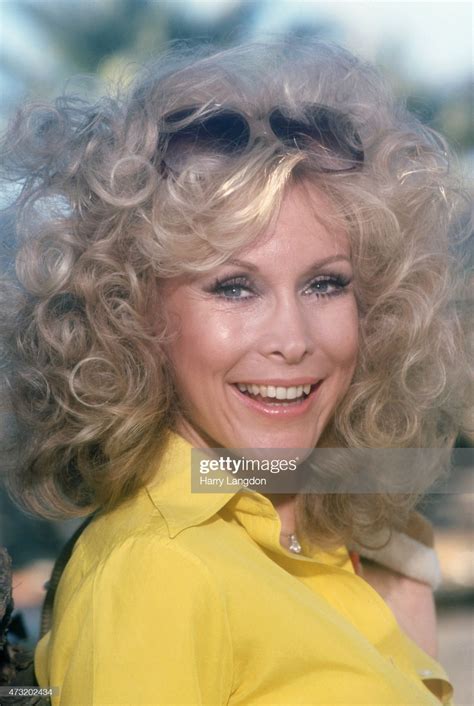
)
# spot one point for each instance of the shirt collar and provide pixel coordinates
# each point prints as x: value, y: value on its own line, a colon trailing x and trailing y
x: 170, y: 492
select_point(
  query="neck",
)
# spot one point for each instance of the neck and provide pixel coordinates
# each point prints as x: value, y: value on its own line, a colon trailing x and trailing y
x: 285, y: 507
x: 284, y: 504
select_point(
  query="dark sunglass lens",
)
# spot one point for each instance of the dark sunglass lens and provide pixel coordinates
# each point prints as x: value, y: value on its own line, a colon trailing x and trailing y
x: 285, y: 128
x: 327, y: 132
x: 226, y: 132
x: 337, y: 132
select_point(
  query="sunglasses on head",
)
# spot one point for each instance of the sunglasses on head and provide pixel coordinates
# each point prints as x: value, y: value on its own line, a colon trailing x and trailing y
x: 325, y: 132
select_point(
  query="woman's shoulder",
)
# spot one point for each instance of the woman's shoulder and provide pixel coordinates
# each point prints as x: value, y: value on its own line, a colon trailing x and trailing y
x: 136, y: 521
x: 129, y: 586
x: 130, y: 542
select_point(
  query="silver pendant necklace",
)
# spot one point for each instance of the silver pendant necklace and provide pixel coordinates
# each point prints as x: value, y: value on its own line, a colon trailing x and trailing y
x: 294, y: 546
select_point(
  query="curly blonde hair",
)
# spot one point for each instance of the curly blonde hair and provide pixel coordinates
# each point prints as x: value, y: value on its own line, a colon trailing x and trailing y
x: 99, y: 218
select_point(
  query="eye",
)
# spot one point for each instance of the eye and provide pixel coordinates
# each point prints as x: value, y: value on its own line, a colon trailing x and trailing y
x: 237, y: 288
x: 328, y: 285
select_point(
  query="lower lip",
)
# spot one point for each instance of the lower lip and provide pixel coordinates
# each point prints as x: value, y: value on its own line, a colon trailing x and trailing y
x: 278, y: 410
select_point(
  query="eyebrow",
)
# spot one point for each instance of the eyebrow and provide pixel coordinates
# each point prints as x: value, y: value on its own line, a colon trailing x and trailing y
x: 314, y: 266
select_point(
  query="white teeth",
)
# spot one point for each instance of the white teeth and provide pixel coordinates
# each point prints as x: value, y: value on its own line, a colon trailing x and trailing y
x: 281, y: 393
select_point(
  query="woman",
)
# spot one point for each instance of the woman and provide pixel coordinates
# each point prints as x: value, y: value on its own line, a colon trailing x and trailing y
x: 250, y: 251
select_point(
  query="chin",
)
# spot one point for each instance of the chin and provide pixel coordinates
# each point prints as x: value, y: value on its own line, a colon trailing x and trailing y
x: 277, y: 440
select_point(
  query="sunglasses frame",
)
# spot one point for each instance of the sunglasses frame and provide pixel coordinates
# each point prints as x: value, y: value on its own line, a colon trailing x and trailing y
x: 320, y: 128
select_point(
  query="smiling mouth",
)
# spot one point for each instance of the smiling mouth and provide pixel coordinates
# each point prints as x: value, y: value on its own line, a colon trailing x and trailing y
x: 277, y: 396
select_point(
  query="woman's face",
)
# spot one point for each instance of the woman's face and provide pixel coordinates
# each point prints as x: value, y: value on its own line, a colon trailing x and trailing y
x: 281, y: 318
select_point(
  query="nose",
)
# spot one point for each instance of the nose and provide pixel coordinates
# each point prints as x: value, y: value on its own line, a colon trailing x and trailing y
x: 287, y: 334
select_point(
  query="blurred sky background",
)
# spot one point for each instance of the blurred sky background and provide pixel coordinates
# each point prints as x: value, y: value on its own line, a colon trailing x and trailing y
x: 424, y: 47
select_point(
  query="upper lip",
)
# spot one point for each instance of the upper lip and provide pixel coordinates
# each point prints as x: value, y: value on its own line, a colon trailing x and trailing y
x: 279, y: 382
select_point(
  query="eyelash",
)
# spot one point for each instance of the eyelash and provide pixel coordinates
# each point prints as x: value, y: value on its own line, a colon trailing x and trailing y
x: 221, y: 286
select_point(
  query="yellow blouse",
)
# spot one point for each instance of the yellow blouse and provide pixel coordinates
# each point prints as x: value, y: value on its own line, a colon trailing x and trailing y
x: 189, y: 598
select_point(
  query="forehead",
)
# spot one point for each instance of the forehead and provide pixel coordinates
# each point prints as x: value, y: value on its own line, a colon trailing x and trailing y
x: 306, y: 225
